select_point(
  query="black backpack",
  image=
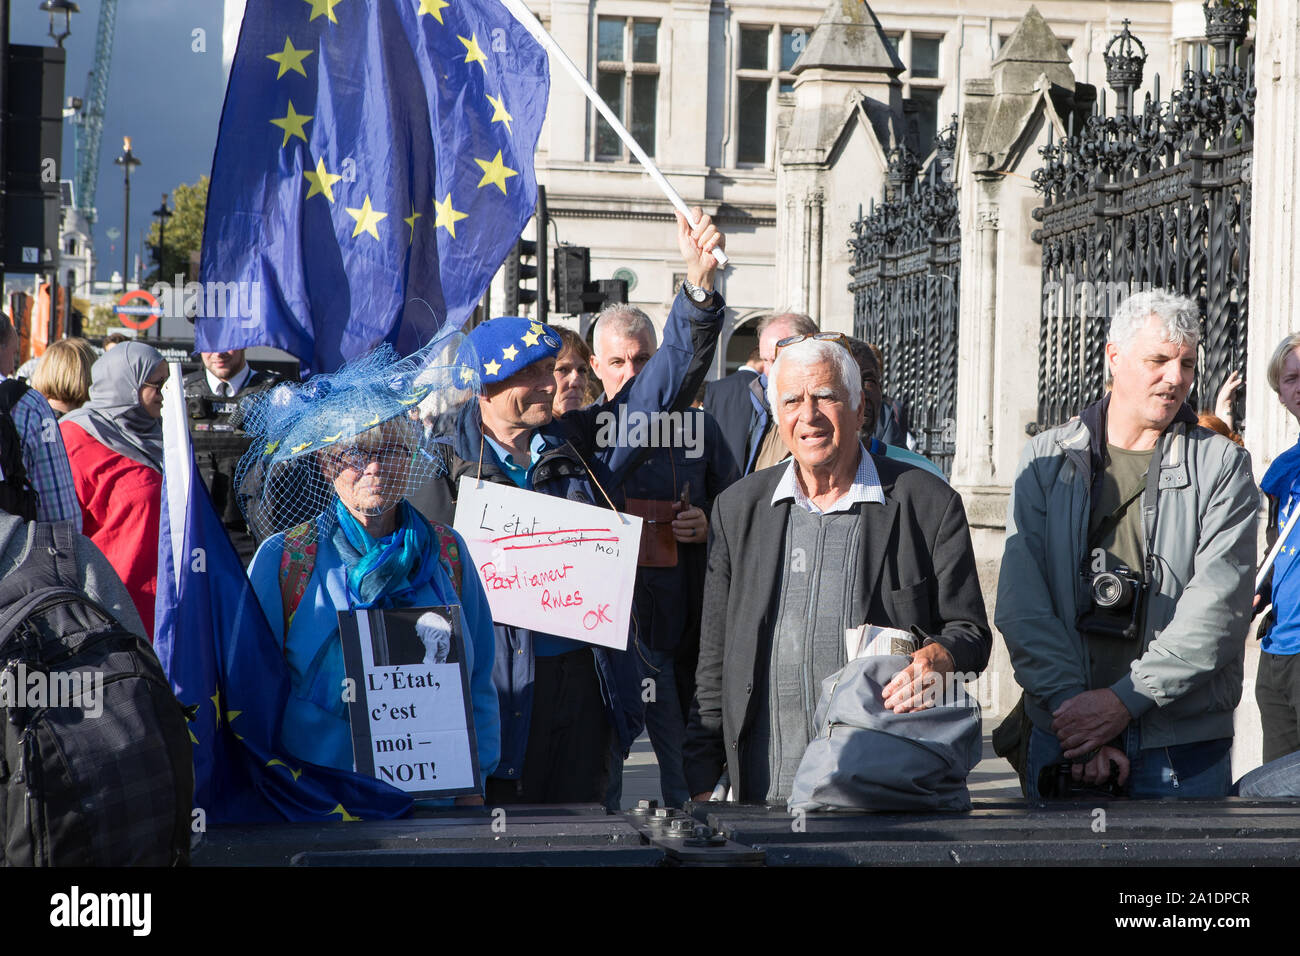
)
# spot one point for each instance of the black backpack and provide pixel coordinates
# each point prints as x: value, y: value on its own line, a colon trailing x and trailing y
x: 17, y: 496
x: 80, y: 788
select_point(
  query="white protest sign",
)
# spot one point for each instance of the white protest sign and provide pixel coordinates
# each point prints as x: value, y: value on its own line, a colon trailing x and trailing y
x: 412, y: 717
x: 550, y: 564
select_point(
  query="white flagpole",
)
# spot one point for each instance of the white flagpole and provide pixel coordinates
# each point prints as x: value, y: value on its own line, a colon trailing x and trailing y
x: 1277, y: 547
x: 531, y: 24
x: 177, y: 455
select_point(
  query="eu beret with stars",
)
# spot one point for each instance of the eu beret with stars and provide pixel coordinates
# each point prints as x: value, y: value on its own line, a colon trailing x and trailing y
x: 509, y: 343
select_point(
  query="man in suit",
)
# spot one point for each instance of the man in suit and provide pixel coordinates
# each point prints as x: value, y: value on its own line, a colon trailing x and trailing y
x: 835, y: 538
x: 728, y: 401
x: 212, y: 397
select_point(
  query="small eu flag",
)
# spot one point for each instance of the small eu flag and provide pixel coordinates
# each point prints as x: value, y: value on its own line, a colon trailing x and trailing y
x: 372, y: 154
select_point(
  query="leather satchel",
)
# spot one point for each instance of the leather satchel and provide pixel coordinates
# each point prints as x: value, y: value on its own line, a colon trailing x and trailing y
x: 658, y: 546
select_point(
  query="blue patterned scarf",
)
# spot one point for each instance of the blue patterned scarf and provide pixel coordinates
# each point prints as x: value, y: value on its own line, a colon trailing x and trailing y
x: 387, y: 571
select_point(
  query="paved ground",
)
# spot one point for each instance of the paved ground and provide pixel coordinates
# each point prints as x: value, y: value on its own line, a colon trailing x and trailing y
x: 992, y: 778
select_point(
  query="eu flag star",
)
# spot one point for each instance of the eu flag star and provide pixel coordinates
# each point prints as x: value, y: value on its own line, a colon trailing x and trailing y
x: 472, y: 52
x: 367, y: 218
x: 292, y: 124
x: 499, y: 114
x: 289, y: 59
x: 509, y: 352
x: 432, y: 7
x: 326, y: 7
x: 531, y: 337
x: 495, y: 173
x: 410, y: 221
x: 492, y: 368
x: 322, y: 182
x: 447, y: 216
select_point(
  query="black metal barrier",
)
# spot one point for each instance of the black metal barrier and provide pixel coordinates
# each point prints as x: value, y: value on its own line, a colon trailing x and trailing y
x: 995, y: 832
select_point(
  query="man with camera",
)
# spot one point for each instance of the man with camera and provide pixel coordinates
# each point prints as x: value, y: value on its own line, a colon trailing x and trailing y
x: 212, y: 397
x: 1126, y: 583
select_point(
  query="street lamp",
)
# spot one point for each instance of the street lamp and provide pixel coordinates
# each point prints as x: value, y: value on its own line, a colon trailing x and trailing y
x: 65, y: 7
x: 127, y: 160
x: 162, y: 214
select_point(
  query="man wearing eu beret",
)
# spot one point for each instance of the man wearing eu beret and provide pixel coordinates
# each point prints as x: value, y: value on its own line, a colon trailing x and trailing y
x: 563, y: 702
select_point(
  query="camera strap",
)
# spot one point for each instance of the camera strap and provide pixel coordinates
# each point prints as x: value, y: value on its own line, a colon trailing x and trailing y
x: 1109, y: 523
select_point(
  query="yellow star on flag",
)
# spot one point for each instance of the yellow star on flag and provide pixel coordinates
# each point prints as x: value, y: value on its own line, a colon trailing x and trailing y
x: 292, y: 124
x: 447, y: 216
x: 492, y: 368
x: 530, y: 337
x: 338, y: 808
x: 410, y: 221
x: 193, y: 738
x: 322, y: 182
x: 230, y: 718
x: 325, y: 7
x: 289, y: 59
x: 472, y: 52
x: 509, y: 352
x: 367, y: 219
x: 432, y: 7
x: 216, y: 703
x: 499, y: 114
x: 277, y: 762
x: 495, y: 173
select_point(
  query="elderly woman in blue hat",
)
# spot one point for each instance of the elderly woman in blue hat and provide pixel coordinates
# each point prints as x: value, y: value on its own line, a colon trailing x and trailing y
x: 348, y: 448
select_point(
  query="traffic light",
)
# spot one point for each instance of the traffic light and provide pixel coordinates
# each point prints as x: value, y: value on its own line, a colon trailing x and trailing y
x: 572, y: 269
x: 520, y: 267
x: 33, y: 143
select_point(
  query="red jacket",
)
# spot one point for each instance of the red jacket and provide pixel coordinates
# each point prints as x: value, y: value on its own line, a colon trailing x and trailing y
x: 121, y: 505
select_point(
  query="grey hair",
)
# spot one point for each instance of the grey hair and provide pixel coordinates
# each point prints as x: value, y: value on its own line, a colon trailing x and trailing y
x: 1179, y: 318
x: 815, y: 352
x: 627, y: 321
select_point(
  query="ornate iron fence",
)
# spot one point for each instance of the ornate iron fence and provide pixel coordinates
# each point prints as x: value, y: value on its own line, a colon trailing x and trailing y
x: 906, y: 258
x: 1158, y: 198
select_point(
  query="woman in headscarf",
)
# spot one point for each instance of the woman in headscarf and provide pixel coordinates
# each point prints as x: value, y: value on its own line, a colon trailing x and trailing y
x: 351, y: 446
x: 114, y: 445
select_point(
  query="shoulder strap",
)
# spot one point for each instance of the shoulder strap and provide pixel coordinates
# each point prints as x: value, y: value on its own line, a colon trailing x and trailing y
x: 297, y: 561
x: 449, y: 554
x: 1112, y: 520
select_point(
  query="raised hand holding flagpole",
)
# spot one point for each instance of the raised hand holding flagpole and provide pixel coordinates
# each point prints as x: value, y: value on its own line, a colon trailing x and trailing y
x: 530, y: 23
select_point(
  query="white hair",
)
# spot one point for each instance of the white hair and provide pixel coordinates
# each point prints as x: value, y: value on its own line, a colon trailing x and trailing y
x: 625, y: 321
x: 1179, y: 318
x: 817, y: 352
x: 435, y: 633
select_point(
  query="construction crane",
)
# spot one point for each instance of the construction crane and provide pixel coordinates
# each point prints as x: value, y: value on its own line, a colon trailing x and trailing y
x: 89, y: 122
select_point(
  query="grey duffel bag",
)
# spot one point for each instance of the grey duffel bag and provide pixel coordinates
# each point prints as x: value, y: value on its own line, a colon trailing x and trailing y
x: 865, y: 757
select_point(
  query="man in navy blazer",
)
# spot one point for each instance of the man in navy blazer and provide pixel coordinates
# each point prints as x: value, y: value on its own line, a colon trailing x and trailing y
x: 801, y: 551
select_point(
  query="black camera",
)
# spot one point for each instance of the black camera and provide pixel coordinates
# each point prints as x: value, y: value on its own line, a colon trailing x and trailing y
x: 199, y: 407
x: 1117, y: 602
x: 1056, y: 782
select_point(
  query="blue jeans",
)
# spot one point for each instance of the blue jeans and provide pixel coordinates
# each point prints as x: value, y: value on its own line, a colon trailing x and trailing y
x: 1201, y: 769
x: 1276, y: 779
x: 663, y: 721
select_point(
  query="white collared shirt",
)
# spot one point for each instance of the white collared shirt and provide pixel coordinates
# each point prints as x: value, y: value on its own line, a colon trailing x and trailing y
x: 235, y: 383
x: 865, y: 487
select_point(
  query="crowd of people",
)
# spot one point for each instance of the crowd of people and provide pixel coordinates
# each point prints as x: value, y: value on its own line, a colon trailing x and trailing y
x: 787, y: 510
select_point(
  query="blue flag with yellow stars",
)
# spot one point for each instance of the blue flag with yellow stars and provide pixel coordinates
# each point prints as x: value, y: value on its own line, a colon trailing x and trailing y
x: 226, y: 667
x: 373, y: 167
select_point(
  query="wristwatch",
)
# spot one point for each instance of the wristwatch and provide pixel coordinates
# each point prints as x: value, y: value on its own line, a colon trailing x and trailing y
x: 697, y: 295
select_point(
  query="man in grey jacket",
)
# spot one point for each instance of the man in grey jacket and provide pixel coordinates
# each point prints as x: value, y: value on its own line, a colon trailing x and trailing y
x: 1132, y: 500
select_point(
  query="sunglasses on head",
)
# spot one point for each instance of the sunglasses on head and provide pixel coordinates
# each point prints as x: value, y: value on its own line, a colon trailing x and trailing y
x: 839, y: 337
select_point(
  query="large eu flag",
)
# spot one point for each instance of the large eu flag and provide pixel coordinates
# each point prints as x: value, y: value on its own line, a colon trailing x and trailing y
x: 224, y: 664
x: 373, y: 167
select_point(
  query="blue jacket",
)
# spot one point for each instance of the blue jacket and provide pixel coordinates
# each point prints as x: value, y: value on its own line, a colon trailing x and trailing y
x: 668, y: 382
x: 316, y: 727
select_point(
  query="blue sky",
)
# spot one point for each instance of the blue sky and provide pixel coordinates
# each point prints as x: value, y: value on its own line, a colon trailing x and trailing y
x: 161, y: 92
